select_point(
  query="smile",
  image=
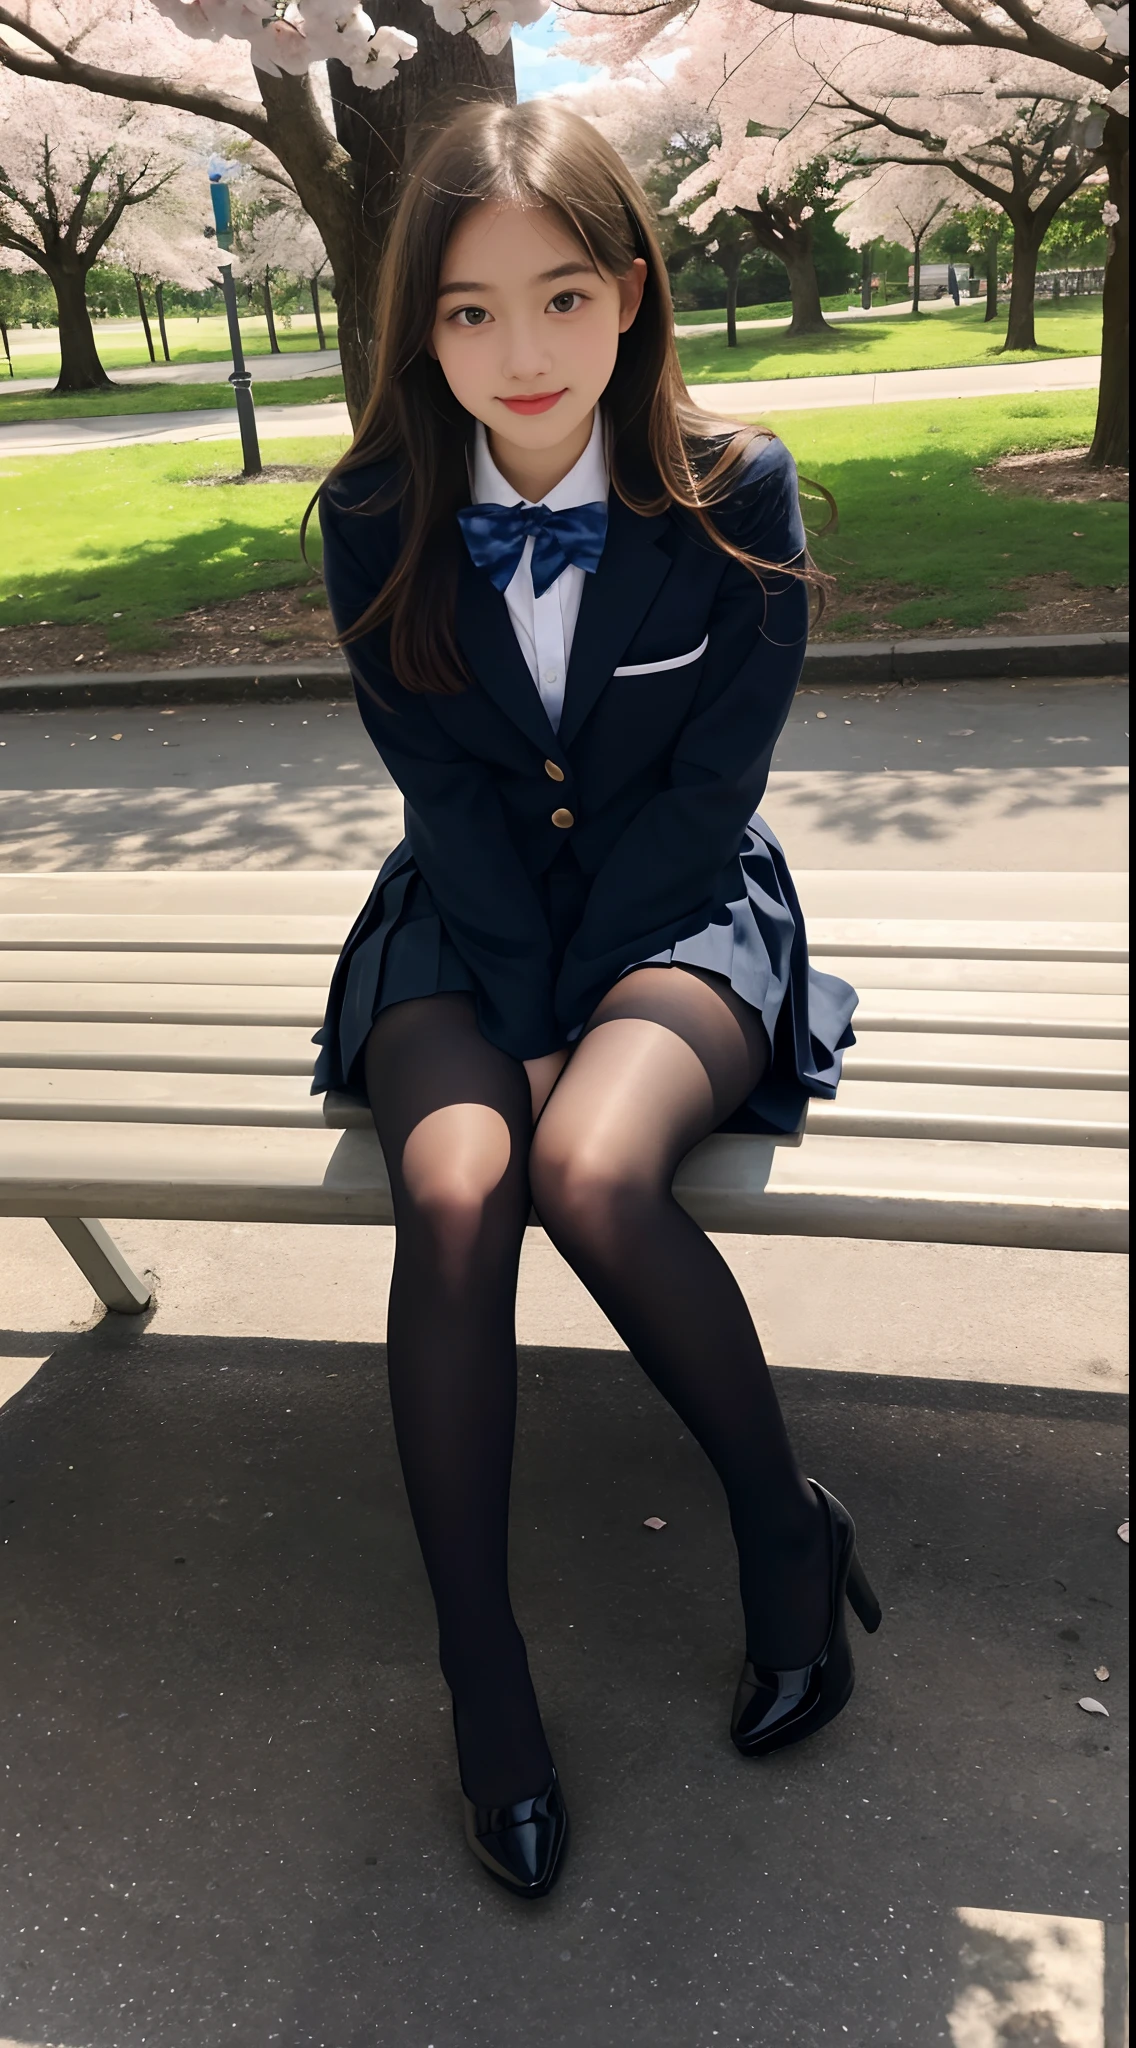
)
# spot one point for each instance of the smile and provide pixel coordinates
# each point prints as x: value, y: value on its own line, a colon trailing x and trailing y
x: 542, y: 402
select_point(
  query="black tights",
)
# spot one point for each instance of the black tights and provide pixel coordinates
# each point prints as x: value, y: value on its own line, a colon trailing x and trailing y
x: 668, y: 1054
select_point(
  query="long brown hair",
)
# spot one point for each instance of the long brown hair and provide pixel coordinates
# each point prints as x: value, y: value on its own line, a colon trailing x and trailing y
x: 663, y: 449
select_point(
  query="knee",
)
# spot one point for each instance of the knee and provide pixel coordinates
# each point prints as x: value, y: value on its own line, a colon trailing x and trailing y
x: 450, y: 1213
x: 582, y: 1194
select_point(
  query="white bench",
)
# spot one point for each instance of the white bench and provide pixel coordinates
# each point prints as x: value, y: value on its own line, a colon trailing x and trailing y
x: 155, y: 1058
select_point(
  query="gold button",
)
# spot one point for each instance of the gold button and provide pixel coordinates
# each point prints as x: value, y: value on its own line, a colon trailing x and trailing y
x: 563, y: 819
x: 556, y: 774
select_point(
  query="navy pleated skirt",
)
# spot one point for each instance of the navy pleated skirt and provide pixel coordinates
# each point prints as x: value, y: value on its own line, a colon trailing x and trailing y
x: 399, y: 949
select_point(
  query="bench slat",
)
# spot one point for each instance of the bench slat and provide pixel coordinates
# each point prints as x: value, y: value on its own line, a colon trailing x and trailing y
x: 880, y: 1011
x: 988, y: 1061
x: 824, y: 892
x: 169, y: 934
x: 982, y: 1115
x: 976, y: 939
x: 1079, y: 980
x: 1046, y: 1197
x: 853, y: 938
x: 125, y: 1002
x: 160, y: 1048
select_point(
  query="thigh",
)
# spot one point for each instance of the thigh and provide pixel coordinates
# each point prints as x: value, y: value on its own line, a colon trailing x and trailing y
x: 452, y: 1112
x: 666, y: 1056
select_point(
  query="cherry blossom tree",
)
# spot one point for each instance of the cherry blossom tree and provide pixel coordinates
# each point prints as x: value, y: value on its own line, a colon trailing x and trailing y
x: 70, y: 170
x: 773, y: 181
x: 282, y: 241
x: 330, y: 98
x: 900, y: 204
x: 165, y: 242
x: 1023, y: 142
x: 1086, y: 43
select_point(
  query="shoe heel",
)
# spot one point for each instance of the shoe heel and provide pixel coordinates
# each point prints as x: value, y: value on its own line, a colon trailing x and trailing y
x: 861, y: 1598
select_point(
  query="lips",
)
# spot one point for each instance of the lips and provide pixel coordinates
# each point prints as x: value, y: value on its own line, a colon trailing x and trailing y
x: 542, y: 402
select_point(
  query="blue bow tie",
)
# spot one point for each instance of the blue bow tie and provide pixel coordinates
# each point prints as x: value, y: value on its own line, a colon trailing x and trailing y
x: 496, y: 534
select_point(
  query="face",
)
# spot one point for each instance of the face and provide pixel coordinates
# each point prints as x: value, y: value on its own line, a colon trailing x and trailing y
x: 527, y: 331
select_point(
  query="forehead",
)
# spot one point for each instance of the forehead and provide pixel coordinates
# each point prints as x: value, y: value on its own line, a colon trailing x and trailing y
x: 495, y: 242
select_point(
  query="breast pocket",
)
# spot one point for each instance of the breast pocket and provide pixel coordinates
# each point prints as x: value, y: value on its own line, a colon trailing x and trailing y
x: 664, y: 662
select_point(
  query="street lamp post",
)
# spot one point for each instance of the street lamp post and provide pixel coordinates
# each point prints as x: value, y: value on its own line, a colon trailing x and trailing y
x: 241, y: 375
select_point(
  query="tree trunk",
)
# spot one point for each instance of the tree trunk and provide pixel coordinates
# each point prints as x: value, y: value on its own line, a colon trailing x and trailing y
x: 992, y: 244
x: 313, y: 283
x: 273, y: 344
x: 804, y: 291
x: 916, y: 273
x: 145, y: 317
x: 866, y: 276
x: 79, y: 365
x: 732, y: 310
x: 1110, y: 436
x: 379, y: 132
x: 7, y: 350
x: 1028, y: 234
x: 161, y: 311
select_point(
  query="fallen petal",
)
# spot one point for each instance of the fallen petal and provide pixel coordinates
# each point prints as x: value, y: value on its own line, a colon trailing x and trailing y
x: 1101, y: 1672
x: 1122, y: 1532
x: 653, y: 1522
x: 1093, y: 1707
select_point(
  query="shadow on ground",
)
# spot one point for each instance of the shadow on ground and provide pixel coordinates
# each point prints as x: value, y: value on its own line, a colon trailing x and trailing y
x: 233, y: 1812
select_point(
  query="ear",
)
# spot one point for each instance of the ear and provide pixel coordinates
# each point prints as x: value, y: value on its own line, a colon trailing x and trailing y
x: 632, y: 285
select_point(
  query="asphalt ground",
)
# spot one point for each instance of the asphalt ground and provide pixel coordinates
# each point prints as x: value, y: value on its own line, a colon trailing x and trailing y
x: 231, y: 1807
x: 962, y: 775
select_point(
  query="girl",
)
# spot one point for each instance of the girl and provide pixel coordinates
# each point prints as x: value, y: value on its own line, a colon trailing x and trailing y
x: 576, y: 611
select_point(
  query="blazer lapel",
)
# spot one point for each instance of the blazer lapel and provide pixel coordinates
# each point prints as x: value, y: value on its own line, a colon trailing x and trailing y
x: 615, y: 600
x: 487, y: 640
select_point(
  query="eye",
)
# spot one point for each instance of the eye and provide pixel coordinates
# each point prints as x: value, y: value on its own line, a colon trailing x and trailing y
x: 468, y: 316
x: 566, y: 302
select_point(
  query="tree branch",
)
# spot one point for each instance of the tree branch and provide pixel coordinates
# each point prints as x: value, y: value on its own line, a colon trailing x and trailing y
x: 59, y: 67
x: 1036, y: 42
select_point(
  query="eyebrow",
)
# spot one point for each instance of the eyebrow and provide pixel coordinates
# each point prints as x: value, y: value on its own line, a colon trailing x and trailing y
x: 545, y: 277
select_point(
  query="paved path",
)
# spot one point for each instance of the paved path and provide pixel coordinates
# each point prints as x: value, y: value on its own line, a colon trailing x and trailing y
x: 267, y: 369
x: 787, y: 394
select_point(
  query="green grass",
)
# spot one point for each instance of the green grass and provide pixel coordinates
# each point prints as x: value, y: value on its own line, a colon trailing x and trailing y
x: 776, y: 309
x: 191, y: 341
x: 131, y: 531
x: 914, y: 518
x: 1069, y: 327
x: 131, y: 398
x: 122, y: 538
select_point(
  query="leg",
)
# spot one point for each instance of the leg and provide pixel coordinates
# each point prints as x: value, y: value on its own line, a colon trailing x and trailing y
x: 454, y: 1120
x: 668, y: 1054
x: 99, y: 1260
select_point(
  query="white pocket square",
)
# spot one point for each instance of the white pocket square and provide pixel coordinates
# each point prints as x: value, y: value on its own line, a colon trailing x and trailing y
x: 650, y: 668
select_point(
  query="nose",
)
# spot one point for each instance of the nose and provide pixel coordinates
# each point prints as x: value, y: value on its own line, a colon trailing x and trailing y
x: 526, y: 356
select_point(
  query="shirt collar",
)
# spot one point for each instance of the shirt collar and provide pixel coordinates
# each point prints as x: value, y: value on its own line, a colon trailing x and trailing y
x: 585, y: 484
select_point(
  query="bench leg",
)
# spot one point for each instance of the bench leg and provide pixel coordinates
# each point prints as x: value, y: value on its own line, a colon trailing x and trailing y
x: 100, y: 1261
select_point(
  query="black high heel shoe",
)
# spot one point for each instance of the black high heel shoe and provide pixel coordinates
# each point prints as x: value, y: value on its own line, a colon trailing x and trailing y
x: 522, y: 1845
x: 775, y: 1708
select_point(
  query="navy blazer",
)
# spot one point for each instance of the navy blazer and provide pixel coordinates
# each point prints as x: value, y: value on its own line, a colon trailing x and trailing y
x: 682, y: 670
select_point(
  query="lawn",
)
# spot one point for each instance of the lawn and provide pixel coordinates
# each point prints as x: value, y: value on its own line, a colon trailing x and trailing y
x: 776, y: 309
x: 912, y: 514
x: 128, y: 398
x: 70, y: 553
x: 122, y: 344
x: 914, y: 517
x: 1070, y: 327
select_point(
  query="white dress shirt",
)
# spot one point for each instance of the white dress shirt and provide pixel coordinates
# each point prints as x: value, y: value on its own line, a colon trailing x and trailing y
x: 544, y: 625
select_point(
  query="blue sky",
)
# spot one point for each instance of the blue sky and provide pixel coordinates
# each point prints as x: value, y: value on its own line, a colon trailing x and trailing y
x: 537, y: 65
